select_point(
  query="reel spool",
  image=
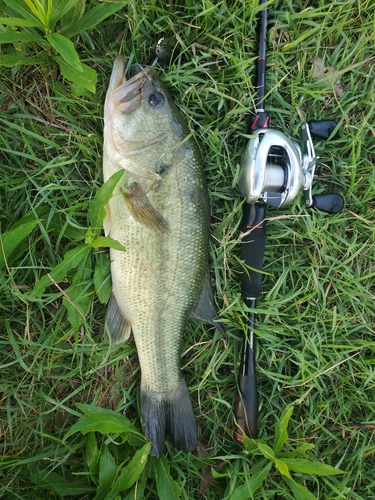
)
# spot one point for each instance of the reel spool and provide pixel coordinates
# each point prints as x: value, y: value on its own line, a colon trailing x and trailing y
x: 275, y: 169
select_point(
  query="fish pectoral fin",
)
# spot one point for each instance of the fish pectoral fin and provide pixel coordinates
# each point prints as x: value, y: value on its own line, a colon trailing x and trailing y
x: 142, y: 210
x: 205, y: 310
x: 118, y: 325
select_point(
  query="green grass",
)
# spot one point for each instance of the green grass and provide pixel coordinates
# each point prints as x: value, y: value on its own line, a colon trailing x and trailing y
x: 315, y: 322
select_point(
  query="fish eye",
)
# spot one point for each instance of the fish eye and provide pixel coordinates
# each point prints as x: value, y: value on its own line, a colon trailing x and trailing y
x: 155, y: 99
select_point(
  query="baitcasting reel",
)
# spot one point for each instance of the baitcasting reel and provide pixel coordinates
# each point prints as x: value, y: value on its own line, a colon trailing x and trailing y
x: 275, y: 168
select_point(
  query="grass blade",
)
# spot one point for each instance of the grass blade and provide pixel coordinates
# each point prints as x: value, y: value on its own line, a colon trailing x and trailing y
x: 10, y: 240
x: 20, y: 8
x: 38, y: 10
x: 167, y: 487
x: 97, y: 208
x: 66, y: 49
x: 300, y: 492
x: 85, y: 78
x: 104, y: 423
x: 47, y: 479
x: 93, y: 17
x: 72, y: 259
x: 10, y: 61
x: 309, y: 467
x: 107, y: 473
x: 130, y: 474
x: 281, y: 433
x: 11, y: 36
x: 107, y: 242
x: 102, y: 278
x: 246, y: 491
x: 20, y: 23
x: 61, y: 9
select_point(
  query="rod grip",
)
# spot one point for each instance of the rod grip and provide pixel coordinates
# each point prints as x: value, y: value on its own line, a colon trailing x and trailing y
x: 246, y: 405
x: 252, y: 249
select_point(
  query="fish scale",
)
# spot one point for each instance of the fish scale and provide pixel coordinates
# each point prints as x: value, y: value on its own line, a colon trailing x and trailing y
x: 158, y: 271
x: 159, y: 212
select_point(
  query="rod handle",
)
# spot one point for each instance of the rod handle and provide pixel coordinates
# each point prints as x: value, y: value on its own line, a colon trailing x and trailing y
x: 252, y: 249
x: 246, y: 405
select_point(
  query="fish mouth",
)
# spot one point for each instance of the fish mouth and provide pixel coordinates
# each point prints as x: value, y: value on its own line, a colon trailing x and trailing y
x: 126, y: 91
x: 134, y: 71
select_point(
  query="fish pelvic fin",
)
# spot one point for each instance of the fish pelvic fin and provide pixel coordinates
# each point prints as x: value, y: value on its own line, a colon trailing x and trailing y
x: 118, y: 325
x: 174, y: 417
x: 142, y: 210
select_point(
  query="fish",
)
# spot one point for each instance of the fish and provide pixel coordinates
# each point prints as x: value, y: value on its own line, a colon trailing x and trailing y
x: 160, y: 213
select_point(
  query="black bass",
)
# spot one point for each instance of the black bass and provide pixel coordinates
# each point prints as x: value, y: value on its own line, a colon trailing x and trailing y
x: 160, y: 213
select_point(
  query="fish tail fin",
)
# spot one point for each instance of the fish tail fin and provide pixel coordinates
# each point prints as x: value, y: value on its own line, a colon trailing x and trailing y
x: 154, y: 421
x: 173, y: 416
x: 182, y: 424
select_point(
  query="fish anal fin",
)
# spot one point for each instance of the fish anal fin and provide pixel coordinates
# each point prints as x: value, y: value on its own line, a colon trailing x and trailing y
x: 118, y: 325
x: 205, y: 310
x: 142, y: 210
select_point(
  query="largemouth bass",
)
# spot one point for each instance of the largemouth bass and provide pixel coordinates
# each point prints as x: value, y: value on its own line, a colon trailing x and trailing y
x: 159, y: 212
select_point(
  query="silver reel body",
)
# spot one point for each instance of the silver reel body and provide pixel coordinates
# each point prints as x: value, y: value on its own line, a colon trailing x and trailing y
x: 275, y: 168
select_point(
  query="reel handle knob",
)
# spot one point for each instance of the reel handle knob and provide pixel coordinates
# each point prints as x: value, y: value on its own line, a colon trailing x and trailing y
x: 321, y: 129
x: 163, y: 52
x: 330, y: 203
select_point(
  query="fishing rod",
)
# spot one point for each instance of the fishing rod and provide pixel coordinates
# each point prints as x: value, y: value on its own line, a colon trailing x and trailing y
x: 274, y: 169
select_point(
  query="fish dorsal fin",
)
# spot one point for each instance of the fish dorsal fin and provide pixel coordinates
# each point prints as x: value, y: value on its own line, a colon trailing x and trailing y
x: 118, y: 325
x: 205, y: 310
x: 142, y: 210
